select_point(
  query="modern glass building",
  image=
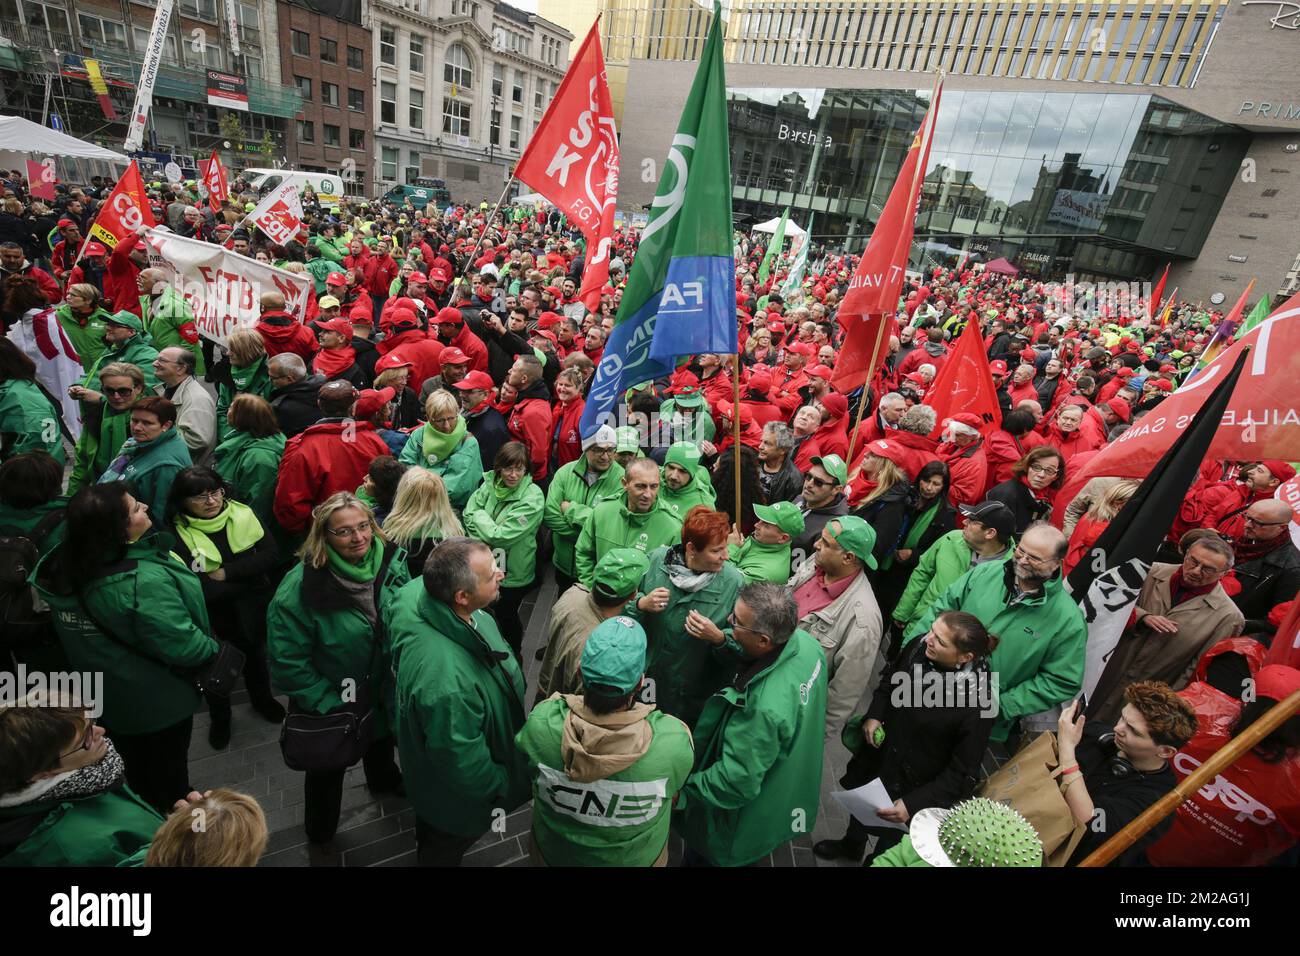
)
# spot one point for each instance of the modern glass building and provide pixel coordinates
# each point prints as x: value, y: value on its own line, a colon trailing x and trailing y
x: 1105, y: 184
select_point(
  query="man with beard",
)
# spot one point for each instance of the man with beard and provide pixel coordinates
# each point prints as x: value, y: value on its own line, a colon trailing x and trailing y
x: 1268, y: 563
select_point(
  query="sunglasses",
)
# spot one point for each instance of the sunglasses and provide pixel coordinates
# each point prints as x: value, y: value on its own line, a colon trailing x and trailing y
x: 115, y: 392
x: 819, y: 482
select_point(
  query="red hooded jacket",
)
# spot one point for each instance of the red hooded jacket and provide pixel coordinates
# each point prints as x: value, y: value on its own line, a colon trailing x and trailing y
x: 330, y: 456
x: 530, y: 423
x: 283, y: 333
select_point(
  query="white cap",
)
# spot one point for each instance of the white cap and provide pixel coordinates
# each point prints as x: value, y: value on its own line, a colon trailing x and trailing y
x: 604, y: 435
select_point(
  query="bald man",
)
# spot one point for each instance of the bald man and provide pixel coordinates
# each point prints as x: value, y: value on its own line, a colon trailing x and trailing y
x: 1268, y: 562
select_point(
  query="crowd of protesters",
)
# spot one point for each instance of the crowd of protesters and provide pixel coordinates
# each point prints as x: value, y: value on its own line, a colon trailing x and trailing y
x: 358, y: 501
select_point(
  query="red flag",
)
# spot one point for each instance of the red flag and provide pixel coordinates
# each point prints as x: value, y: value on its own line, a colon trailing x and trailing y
x: 1156, y: 293
x: 40, y: 179
x: 965, y: 384
x: 873, y: 290
x: 214, y: 178
x: 573, y: 159
x: 126, y: 208
x: 1237, y: 309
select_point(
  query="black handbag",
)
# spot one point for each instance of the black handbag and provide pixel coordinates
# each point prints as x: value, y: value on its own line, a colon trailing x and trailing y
x: 332, y: 741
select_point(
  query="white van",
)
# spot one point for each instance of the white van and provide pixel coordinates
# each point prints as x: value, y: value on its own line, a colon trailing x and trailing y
x: 328, y: 186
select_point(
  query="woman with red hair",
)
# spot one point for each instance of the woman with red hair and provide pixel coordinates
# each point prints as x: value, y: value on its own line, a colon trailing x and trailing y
x: 688, y: 593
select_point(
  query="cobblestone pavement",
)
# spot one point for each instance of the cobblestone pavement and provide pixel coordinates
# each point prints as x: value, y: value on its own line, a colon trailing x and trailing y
x: 380, y: 831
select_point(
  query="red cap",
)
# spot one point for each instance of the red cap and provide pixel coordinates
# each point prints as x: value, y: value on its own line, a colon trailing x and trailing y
x: 453, y: 356
x: 889, y: 449
x: 998, y: 367
x: 1028, y: 355
x: 336, y: 278
x: 360, y: 315
x: 95, y: 249
x: 418, y: 277
x: 342, y: 326
x: 760, y: 382
x: 370, y: 401
x: 818, y: 371
x: 1125, y: 372
x: 403, y: 316
x: 1168, y: 368
x: 1279, y: 469
x: 776, y: 328
x: 802, y: 348
x: 685, y: 380
x: 967, y: 418
x: 444, y: 248
x: 553, y: 290
x: 475, y: 380
x: 835, y: 403
x: 63, y: 223
x: 1120, y: 408
x: 439, y: 275
x: 448, y: 314
x: 392, y: 360
x: 725, y: 408
x: 547, y: 334
x: 549, y: 319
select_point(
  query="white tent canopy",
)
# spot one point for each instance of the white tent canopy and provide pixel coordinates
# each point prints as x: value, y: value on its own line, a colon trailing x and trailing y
x: 790, y: 228
x: 23, y: 136
x: 529, y: 199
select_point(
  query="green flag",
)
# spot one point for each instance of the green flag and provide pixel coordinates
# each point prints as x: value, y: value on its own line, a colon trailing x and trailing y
x: 773, y: 247
x: 793, y: 286
x: 1257, y: 315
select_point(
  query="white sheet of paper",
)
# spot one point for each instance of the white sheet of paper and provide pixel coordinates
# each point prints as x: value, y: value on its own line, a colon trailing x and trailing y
x: 865, y: 801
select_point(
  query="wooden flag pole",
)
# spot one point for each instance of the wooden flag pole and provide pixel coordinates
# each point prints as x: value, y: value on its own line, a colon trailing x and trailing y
x: 735, y: 427
x: 866, y: 390
x: 1227, y: 755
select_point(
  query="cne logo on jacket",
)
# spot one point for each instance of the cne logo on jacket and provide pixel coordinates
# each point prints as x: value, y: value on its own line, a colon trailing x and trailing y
x: 601, y: 803
x: 805, y: 689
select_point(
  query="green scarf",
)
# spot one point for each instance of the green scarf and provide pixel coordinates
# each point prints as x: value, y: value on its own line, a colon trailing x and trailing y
x: 438, y: 446
x: 365, y: 571
x: 504, y: 491
x: 914, y: 533
x: 243, y: 377
x: 242, y: 528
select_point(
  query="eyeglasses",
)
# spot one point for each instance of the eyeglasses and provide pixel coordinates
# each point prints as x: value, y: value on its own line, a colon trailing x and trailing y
x: 1264, y: 524
x: 734, y: 625
x: 116, y: 392
x: 214, y: 495
x: 602, y: 451
x: 1032, y: 558
x: 360, y: 530
x: 1043, y: 470
x: 1191, y: 564
x: 87, y: 740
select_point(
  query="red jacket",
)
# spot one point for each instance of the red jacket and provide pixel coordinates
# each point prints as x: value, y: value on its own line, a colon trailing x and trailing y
x: 351, y: 262
x: 1068, y: 445
x: 471, y: 345
x: 380, y: 271
x: 920, y: 450
x: 283, y: 333
x: 918, y: 357
x: 424, y: 354
x: 330, y: 456
x: 970, y: 470
x: 717, y: 388
x: 47, y: 284
x: 1023, y: 393
x: 530, y: 423
x: 807, y: 450
x: 1003, y: 450
x: 785, y: 389
x: 567, y: 438
x: 762, y: 409
x: 832, y: 438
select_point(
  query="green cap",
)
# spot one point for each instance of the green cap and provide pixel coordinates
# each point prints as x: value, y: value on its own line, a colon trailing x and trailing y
x: 620, y: 570
x: 784, y: 514
x: 614, y: 655
x: 834, y: 466
x: 129, y: 319
x: 688, y: 396
x: 685, y: 454
x: 628, y: 439
x: 856, y: 537
x: 249, y: 207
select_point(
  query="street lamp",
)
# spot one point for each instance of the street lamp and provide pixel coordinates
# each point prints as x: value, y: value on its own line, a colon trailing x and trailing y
x: 492, y: 146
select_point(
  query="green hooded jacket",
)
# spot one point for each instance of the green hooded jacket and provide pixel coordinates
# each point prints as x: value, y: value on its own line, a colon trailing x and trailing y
x: 612, y: 525
x: 251, y: 466
x: 758, y: 763
x: 460, y: 703
x: 900, y: 854
x: 97, y: 446
x: 698, y: 491
x: 570, y: 484
x: 28, y: 421
x: 461, y: 471
x: 105, y: 829
x: 761, y: 562
x: 137, y: 351
x: 942, y: 563
x: 252, y: 379
x: 164, y: 320
x: 1039, y: 658
x: 86, y: 335
x: 151, y: 601
x: 150, y: 468
x: 508, y: 525
x: 317, y: 638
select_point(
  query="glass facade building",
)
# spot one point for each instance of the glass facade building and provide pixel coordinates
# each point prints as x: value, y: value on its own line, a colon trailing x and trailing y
x: 1098, y: 184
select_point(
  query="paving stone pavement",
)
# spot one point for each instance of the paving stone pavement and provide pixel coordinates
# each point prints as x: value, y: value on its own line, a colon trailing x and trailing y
x: 381, y: 831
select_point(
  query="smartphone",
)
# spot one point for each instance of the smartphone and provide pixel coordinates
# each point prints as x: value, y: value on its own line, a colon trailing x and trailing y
x: 1082, y: 701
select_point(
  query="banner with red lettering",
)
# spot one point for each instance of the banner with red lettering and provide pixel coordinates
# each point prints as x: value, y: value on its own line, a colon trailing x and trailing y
x: 965, y: 384
x: 572, y: 159
x: 222, y: 287
x: 41, y: 179
x: 872, y: 296
x: 279, y: 214
x: 214, y: 178
x: 125, y: 210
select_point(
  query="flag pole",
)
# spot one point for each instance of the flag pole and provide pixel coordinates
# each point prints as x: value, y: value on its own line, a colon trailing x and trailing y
x: 1224, y: 757
x: 483, y: 233
x: 914, y: 195
x: 735, y: 427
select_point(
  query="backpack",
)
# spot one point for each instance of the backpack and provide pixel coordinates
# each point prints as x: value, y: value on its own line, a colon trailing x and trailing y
x: 24, y: 616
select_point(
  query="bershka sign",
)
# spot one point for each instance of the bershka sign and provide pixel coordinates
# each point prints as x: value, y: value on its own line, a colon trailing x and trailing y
x: 228, y: 90
x: 805, y: 136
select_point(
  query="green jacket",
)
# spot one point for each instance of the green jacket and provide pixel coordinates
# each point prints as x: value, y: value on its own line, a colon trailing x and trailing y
x: 611, y: 526
x: 317, y: 638
x: 1039, y: 658
x: 569, y: 484
x: 942, y: 563
x: 251, y: 466
x: 164, y: 321
x: 104, y: 829
x: 150, y: 468
x: 761, y: 562
x: 460, y: 703
x: 250, y: 380
x: 137, y: 351
x: 461, y: 471
x: 508, y: 525
x: 151, y: 601
x: 618, y: 820
x: 900, y: 854
x: 758, y: 766
x: 685, y: 671
x: 86, y: 335
x: 320, y: 268
x: 698, y: 492
x: 97, y: 447
x: 335, y: 250
x: 28, y: 421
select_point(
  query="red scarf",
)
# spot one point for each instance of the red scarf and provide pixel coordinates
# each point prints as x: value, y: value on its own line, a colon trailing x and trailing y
x: 1249, y: 551
x: 332, y: 363
x: 1180, y: 593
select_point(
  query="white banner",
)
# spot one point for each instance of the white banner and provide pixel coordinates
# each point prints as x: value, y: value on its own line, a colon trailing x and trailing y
x: 279, y: 215
x: 1082, y: 210
x: 232, y: 23
x: 153, y: 52
x: 223, y: 288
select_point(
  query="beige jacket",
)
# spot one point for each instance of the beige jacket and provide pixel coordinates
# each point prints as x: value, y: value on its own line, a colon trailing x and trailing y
x: 573, y: 617
x: 849, y: 630
x: 196, y: 417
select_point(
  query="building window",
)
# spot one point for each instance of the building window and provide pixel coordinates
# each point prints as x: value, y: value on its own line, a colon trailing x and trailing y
x: 357, y: 139
x: 329, y: 51
x: 300, y: 42
x: 356, y: 58
x: 388, y: 53
x: 51, y: 20
x: 214, y: 56
x: 514, y: 132
x: 329, y: 93
x: 457, y: 70
x: 141, y: 38
x: 417, y: 54
x: 412, y: 165
x: 517, y: 93
x: 498, y: 78
x: 356, y: 100
x: 331, y: 135
x: 306, y: 131
x: 538, y: 95
x: 455, y: 117
x: 388, y: 103
x: 201, y: 9
x: 304, y: 86
x: 95, y: 30
x: 494, y: 129
x: 417, y: 109
x: 464, y: 8
x: 252, y: 66
x: 388, y: 163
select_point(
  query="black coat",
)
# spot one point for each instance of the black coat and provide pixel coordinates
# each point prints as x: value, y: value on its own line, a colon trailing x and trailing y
x: 785, y: 485
x: 888, y: 515
x: 931, y: 755
x: 295, y: 405
x: 891, y: 582
x: 489, y: 429
x: 1268, y: 581
x: 1015, y: 494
